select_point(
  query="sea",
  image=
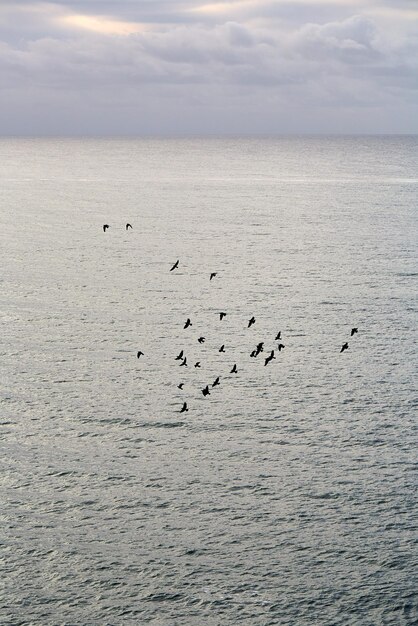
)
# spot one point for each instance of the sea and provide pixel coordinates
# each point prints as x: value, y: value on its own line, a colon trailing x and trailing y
x: 288, y: 495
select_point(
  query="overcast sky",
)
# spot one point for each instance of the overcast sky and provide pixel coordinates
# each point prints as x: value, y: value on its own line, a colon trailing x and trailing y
x: 132, y: 67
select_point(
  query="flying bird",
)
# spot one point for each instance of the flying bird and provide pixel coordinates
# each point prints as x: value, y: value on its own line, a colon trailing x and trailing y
x: 179, y: 356
x: 280, y: 347
x: 344, y: 347
x: 206, y: 391
x: 234, y: 369
x: 354, y: 331
x: 269, y: 358
x: 251, y: 322
x: 212, y: 275
x: 184, y: 362
x: 184, y: 407
x: 278, y: 336
x: 197, y: 364
x: 201, y: 340
x: 222, y: 315
x: 259, y: 348
x: 188, y: 323
x: 222, y: 348
x: 175, y: 266
x: 180, y: 386
x: 128, y: 226
x: 105, y: 227
x: 215, y: 382
x: 139, y: 353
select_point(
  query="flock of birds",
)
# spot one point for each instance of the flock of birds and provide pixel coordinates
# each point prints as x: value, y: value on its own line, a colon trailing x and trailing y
x: 254, y: 354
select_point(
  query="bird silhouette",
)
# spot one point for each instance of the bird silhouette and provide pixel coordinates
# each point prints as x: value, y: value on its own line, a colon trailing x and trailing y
x: 259, y: 348
x: 354, y: 331
x: 215, y: 382
x: 184, y: 407
x: 344, y: 347
x: 222, y: 348
x: 280, y: 347
x: 251, y: 322
x: 197, y: 364
x: 278, y: 336
x: 105, y: 227
x: 128, y: 226
x: 179, y: 356
x: 184, y: 362
x: 201, y: 340
x: 269, y: 358
x: 175, y: 266
x: 206, y: 391
x: 222, y: 315
x: 188, y: 323
x: 212, y: 275
x: 234, y: 369
x: 180, y: 386
x: 138, y: 354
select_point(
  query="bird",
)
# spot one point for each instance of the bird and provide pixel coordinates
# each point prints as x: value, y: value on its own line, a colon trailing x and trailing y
x: 105, y: 227
x: 222, y: 348
x: 188, y: 323
x: 280, y: 347
x: 138, y: 354
x: 269, y: 358
x: 222, y: 315
x: 180, y: 386
x: 253, y: 353
x: 184, y: 407
x: 234, y: 369
x: 175, y: 266
x: 212, y: 275
x: 201, y: 340
x: 206, y: 391
x: 278, y: 336
x: 179, y: 356
x: 259, y: 348
x: 215, y: 382
x: 251, y: 322
x: 128, y: 226
x: 344, y: 347
x: 184, y: 362
x: 197, y: 364
x: 354, y: 331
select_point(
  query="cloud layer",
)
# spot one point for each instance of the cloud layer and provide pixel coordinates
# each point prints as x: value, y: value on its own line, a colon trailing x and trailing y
x: 134, y: 67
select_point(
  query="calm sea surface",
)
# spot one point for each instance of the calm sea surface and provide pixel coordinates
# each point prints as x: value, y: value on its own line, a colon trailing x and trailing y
x: 286, y: 497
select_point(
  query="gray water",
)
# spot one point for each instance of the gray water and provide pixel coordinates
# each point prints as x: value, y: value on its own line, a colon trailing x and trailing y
x: 286, y: 497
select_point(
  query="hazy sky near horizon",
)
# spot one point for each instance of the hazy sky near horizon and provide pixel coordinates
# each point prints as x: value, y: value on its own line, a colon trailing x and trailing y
x: 129, y: 67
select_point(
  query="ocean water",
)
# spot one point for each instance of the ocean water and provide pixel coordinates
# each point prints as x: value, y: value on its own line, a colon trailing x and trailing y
x: 286, y: 497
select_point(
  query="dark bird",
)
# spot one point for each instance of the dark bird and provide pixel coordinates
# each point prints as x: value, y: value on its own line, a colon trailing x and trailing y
x: 184, y: 362
x: 138, y: 354
x: 188, y: 323
x: 175, y: 266
x: 222, y: 315
x: 259, y: 348
x: 206, y: 391
x: 128, y: 226
x: 222, y: 348
x: 253, y: 353
x: 234, y: 369
x: 280, y: 347
x: 184, y: 407
x: 344, y: 347
x: 354, y: 331
x: 212, y: 275
x: 201, y: 340
x: 269, y: 358
x: 180, y: 386
x: 251, y: 322
x: 197, y: 364
x: 278, y: 336
x: 215, y: 382
x: 105, y: 227
x: 179, y: 356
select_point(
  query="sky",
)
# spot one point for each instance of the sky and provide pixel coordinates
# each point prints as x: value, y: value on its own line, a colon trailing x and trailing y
x: 158, y: 67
